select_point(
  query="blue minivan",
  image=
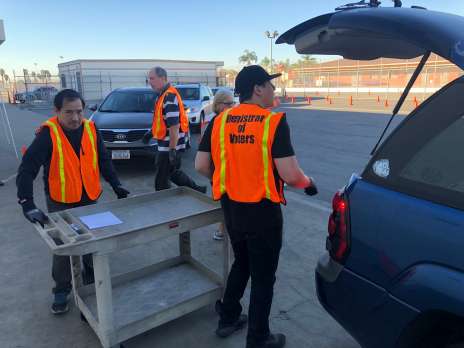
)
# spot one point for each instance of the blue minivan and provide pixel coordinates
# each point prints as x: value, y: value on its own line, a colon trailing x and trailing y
x: 393, y: 274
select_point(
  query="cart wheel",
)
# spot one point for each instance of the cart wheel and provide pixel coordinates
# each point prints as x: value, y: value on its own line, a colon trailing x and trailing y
x: 83, y: 319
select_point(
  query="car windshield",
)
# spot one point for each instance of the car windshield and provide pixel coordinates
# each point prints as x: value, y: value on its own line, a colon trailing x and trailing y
x: 189, y: 93
x: 129, y: 102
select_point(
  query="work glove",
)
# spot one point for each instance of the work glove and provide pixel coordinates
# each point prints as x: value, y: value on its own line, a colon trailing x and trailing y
x: 311, y: 190
x: 120, y: 192
x: 173, y: 157
x: 147, y: 137
x: 33, y: 214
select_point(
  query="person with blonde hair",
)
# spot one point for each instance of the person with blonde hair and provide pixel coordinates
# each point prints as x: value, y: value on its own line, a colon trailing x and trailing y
x: 223, y: 99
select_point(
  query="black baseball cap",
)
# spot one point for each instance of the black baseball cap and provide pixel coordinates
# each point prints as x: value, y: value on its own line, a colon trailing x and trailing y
x: 250, y: 76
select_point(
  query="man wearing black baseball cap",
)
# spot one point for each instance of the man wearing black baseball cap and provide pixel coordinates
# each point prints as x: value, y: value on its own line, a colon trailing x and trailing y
x: 248, y: 154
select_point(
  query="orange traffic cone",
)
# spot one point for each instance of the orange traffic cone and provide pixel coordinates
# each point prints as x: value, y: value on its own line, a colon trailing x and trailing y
x: 386, y: 103
x: 378, y: 99
x: 351, y: 100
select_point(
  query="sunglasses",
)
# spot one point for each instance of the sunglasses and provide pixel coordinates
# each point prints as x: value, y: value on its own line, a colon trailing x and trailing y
x: 228, y: 103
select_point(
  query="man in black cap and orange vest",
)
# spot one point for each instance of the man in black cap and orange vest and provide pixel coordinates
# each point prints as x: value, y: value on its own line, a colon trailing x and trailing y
x: 73, y: 155
x: 248, y: 153
x: 170, y: 128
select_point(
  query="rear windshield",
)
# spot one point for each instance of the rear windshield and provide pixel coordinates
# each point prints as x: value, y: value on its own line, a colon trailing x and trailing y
x: 129, y: 102
x: 189, y: 93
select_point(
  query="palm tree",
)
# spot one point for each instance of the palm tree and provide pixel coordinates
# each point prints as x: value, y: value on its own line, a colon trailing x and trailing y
x: 248, y: 57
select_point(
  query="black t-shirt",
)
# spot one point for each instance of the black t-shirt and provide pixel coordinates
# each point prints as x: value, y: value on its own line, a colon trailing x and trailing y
x: 241, y: 218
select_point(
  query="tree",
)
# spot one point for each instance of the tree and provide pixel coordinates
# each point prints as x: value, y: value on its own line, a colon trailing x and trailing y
x: 248, y: 57
x: 45, y: 74
x: 2, y: 74
x: 265, y: 63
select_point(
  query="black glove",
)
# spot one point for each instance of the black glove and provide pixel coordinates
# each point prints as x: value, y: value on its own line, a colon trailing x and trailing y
x: 121, y: 192
x: 311, y: 190
x: 147, y: 137
x: 173, y: 157
x: 33, y: 214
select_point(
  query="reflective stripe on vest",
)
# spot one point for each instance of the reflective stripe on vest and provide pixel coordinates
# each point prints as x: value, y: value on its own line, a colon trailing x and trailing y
x: 60, y: 159
x: 92, y: 141
x: 223, y: 151
x: 266, y: 155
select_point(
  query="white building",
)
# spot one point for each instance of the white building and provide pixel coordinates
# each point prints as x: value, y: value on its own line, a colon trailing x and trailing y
x: 95, y: 78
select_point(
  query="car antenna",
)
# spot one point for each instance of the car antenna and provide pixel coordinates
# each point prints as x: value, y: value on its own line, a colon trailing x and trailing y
x: 403, y: 96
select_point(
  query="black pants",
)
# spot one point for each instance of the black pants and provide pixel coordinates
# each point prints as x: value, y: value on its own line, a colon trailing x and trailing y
x: 256, y: 236
x: 167, y: 172
x: 61, y: 268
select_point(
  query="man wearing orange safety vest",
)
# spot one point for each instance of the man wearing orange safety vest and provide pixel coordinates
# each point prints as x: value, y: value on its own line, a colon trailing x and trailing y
x: 170, y: 128
x: 73, y: 155
x: 248, y: 153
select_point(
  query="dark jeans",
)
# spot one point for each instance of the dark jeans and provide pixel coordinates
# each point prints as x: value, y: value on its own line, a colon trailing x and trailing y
x: 256, y: 238
x: 61, y: 269
x: 167, y: 172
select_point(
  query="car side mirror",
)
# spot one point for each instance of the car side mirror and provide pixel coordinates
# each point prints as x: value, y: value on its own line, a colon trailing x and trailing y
x: 205, y: 98
x: 93, y: 107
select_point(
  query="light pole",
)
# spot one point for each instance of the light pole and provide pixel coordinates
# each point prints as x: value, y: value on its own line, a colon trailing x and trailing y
x: 271, y: 36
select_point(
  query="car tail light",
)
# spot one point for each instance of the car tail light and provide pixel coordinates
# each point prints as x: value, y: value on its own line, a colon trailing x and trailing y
x: 338, y: 241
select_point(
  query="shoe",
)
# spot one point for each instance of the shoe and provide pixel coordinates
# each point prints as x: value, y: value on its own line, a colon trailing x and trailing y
x: 225, y: 330
x: 273, y: 341
x: 201, y: 189
x: 60, y: 303
x: 218, y: 235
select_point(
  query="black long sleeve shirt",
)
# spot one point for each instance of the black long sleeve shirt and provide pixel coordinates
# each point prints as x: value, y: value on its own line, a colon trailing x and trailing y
x: 39, y: 154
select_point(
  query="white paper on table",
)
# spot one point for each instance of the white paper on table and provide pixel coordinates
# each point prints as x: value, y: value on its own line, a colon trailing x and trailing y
x: 100, y: 220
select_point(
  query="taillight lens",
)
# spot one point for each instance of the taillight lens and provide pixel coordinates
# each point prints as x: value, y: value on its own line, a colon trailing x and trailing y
x: 338, y: 241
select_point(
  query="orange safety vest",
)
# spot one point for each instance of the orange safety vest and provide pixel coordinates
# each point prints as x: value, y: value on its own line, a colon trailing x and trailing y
x: 159, y: 124
x: 68, y: 172
x: 241, y: 144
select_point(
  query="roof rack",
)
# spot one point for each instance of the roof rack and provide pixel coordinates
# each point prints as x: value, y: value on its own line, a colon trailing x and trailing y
x: 365, y: 4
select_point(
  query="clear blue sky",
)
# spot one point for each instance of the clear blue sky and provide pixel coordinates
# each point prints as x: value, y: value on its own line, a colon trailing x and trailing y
x: 42, y: 31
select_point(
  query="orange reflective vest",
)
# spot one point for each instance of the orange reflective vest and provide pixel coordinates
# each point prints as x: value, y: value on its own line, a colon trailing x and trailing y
x: 159, y: 128
x: 241, y: 143
x: 68, y: 172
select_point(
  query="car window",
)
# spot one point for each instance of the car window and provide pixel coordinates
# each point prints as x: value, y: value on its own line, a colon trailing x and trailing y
x: 439, y: 162
x: 129, y: 102
x: 189, y: 93
x: 422, y: 157
x: 204, y: 92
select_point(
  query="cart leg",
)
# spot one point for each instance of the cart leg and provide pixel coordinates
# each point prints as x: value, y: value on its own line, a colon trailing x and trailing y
x: 104, y: 298
x: 76, y: 272
x: 184, y: 244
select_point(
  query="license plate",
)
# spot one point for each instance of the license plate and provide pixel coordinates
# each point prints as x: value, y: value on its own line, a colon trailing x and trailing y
x: 120, y: 154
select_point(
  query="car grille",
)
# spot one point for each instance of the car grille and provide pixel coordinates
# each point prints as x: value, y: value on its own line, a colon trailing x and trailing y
x: 129, y: 136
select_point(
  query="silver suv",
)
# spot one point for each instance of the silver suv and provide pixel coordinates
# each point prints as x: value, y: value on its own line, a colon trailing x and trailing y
x: 198, y: 99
